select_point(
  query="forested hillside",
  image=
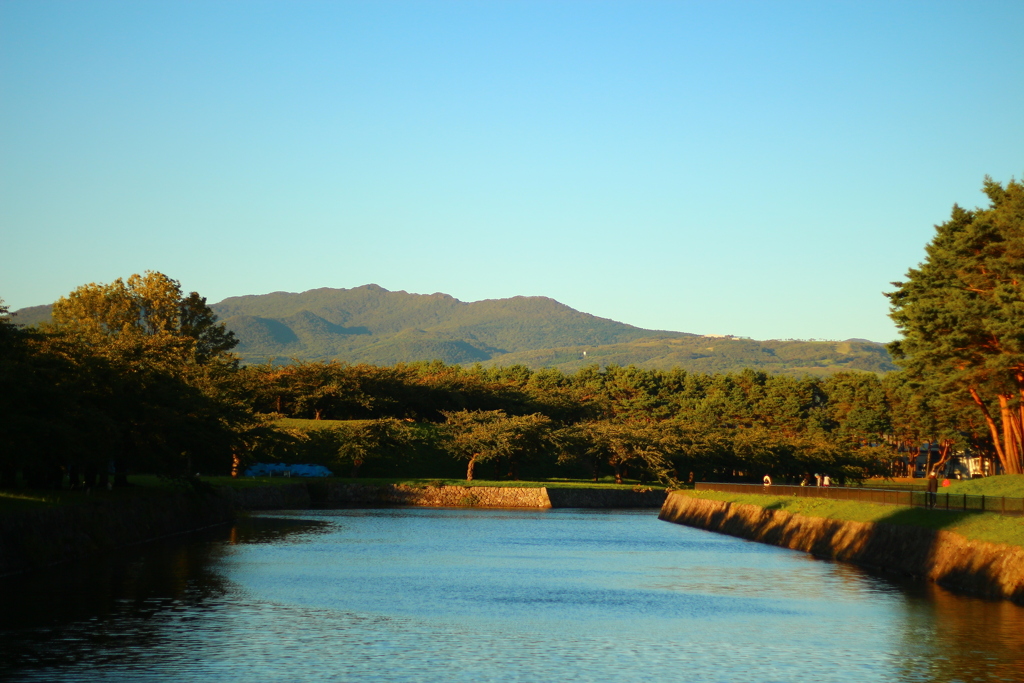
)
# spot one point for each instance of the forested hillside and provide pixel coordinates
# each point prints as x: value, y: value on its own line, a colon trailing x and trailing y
x: 371, y: 325
x: 137, y: 376
x: 712, y: 355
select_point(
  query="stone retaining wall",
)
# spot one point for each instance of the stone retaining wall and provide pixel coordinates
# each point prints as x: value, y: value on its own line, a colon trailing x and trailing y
x: 322, y: 494
x: 350, y: 495
x: 974, y: 567
x: 605, y: 498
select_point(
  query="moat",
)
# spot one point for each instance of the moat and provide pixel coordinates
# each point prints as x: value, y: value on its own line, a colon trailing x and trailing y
x: 489, y: 595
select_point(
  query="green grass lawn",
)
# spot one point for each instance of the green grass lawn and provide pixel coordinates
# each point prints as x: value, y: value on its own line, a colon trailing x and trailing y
x: 980, y: 526
x: 1009, y: 485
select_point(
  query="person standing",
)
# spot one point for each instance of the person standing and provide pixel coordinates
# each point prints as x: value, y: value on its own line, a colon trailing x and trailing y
x: 825, y: 481
x: 932, y: 490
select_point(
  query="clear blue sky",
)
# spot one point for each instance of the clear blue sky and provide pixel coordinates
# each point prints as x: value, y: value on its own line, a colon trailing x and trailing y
x: 762, y: 169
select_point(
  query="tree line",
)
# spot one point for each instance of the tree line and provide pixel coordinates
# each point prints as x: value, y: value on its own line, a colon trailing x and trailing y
x: 138, y: 376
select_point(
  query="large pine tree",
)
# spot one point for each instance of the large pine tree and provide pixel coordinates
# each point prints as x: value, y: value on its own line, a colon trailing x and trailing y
x: 961, y: 313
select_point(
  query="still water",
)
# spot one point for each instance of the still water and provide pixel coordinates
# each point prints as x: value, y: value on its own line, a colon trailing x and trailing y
x: 490, y: 595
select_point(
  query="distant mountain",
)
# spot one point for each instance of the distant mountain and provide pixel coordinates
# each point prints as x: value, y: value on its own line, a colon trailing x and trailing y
x: 370, y: 324
x: 33, y: 315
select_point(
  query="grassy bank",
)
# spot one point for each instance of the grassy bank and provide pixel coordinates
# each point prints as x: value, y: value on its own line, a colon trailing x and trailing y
x: 1001, y: 485
x: 1009, y: 485
x: 607, y: 483
x: 979, y: 526
x: 141, y: 486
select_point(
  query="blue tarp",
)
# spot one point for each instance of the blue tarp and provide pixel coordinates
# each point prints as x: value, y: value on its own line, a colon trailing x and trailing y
x: 263, y: 469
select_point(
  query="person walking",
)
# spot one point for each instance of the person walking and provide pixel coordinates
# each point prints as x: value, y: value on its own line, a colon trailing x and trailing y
x: 932, y: 490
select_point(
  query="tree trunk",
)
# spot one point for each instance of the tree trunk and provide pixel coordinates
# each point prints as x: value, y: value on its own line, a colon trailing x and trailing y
x: 1011, y: 440
x: 944, y: 453
x: 236, y: 463
x: 356, y: 464
x: 469, y: 468
x: 992, y: 429
x: 618, y: 472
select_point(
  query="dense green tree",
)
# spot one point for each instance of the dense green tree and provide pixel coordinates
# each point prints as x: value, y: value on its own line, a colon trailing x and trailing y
x: 487, y: 435
x: 324, y: 390
x: 631, y: 443
x: 147, y: 307
x: 156, y: 366
x: 529, y: 437
x: 961, y: 315
x: 858, y: 406
x: 362, y: 441
x: 477, y: 436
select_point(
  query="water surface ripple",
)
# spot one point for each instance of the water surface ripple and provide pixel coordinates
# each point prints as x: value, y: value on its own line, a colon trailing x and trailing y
x: 442, y: 595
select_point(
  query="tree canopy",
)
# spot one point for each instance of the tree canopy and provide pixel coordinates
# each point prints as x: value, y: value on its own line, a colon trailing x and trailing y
x: 132, y: 373
x: 148, y: 308
x: 961, y: 314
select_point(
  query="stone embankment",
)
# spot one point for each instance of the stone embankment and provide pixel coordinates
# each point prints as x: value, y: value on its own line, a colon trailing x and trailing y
x: 973, y: 567
x: 319, y: 494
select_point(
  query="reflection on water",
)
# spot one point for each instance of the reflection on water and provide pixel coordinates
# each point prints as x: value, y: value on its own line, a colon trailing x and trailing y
x: 481, y: 595
x: 965, y: 639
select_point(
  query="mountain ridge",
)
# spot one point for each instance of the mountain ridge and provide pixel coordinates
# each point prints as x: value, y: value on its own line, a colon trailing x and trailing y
x: 370, y: 324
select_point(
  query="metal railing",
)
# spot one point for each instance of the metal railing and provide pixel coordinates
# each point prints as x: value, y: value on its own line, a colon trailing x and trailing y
x: 942, y: 501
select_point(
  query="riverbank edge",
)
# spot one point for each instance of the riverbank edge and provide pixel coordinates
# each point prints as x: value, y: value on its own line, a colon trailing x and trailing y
x: 314, y: 494
x: 33, y: 539
x: 962, y: 565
